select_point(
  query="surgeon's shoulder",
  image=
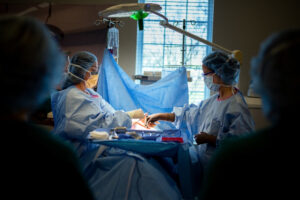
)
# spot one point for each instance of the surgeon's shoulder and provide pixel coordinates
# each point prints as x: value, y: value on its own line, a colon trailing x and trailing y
x: 72, y: 90
x: 238, y: 100
x: 61, y: 93
x: 209, y: 100
x: 239, y: 97
x: 74, y: 93
x: 93, y: 92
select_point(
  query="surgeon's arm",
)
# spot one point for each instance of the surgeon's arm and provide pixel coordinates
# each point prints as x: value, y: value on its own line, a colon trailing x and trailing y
x: 160, y: 116
x: 203, y: 137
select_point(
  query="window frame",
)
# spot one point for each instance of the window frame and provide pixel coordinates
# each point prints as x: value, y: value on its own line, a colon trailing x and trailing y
x: 140, y: 42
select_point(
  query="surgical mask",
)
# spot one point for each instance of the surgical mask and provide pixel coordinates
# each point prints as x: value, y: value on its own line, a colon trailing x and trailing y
x: 92, y: 82
x: 78, y: 66
x: 208, y: 80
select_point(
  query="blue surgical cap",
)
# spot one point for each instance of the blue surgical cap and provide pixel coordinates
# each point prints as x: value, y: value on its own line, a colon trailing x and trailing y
x: 225, y: 66
x: 31, y: 63
x: 275, y: 74
x: 85, y: 60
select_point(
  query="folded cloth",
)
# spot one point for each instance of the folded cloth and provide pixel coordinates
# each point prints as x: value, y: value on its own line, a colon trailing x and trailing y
x: 99, y: 135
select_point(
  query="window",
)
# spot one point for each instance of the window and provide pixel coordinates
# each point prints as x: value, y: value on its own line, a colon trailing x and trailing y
x: 162, y: 49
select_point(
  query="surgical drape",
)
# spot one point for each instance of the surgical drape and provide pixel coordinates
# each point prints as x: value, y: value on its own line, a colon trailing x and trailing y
x: 118, y: 89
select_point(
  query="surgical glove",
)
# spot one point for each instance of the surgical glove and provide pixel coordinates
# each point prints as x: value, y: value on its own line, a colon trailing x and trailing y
x: 136, y: 114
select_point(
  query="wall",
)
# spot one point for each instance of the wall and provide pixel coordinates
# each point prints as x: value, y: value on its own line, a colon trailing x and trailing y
x: 245, y: 24
x: 76, y: 19
x: 127, y: 43
x: 76, y: 22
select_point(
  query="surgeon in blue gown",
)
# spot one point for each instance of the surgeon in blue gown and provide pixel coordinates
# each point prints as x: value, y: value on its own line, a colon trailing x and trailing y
x: 77, y: 110
x: 225, y: 114
x: 114, y: 173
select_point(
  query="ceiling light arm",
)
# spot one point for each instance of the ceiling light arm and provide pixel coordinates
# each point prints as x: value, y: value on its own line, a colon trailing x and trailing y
x: 165, y: 23
x: 160, y: 15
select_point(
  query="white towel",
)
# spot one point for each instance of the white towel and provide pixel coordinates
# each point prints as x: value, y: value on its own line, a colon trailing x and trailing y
x: 99, y: 135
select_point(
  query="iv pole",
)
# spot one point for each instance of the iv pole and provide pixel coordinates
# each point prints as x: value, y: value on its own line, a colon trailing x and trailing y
x: 183, y: 44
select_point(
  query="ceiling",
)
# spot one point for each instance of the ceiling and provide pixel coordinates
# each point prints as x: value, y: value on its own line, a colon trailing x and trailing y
x: 69, y: 15
x: 82, y: 2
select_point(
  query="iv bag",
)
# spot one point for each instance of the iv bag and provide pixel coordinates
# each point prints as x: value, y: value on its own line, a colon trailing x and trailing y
x: 113, y: 41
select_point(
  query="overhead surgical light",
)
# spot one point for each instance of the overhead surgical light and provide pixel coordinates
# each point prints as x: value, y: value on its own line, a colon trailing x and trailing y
x: 128, y: 10
x: 137, y: 11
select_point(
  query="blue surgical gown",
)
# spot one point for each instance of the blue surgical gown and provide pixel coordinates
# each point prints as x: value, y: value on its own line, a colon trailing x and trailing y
x: 76, y: 113
x: 221, y: 118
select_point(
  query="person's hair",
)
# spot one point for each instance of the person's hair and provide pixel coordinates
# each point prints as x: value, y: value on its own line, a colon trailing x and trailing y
x: 275, y: 74
x: 30, y: 63
x: 85, y: 60
x: 225, y: 66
